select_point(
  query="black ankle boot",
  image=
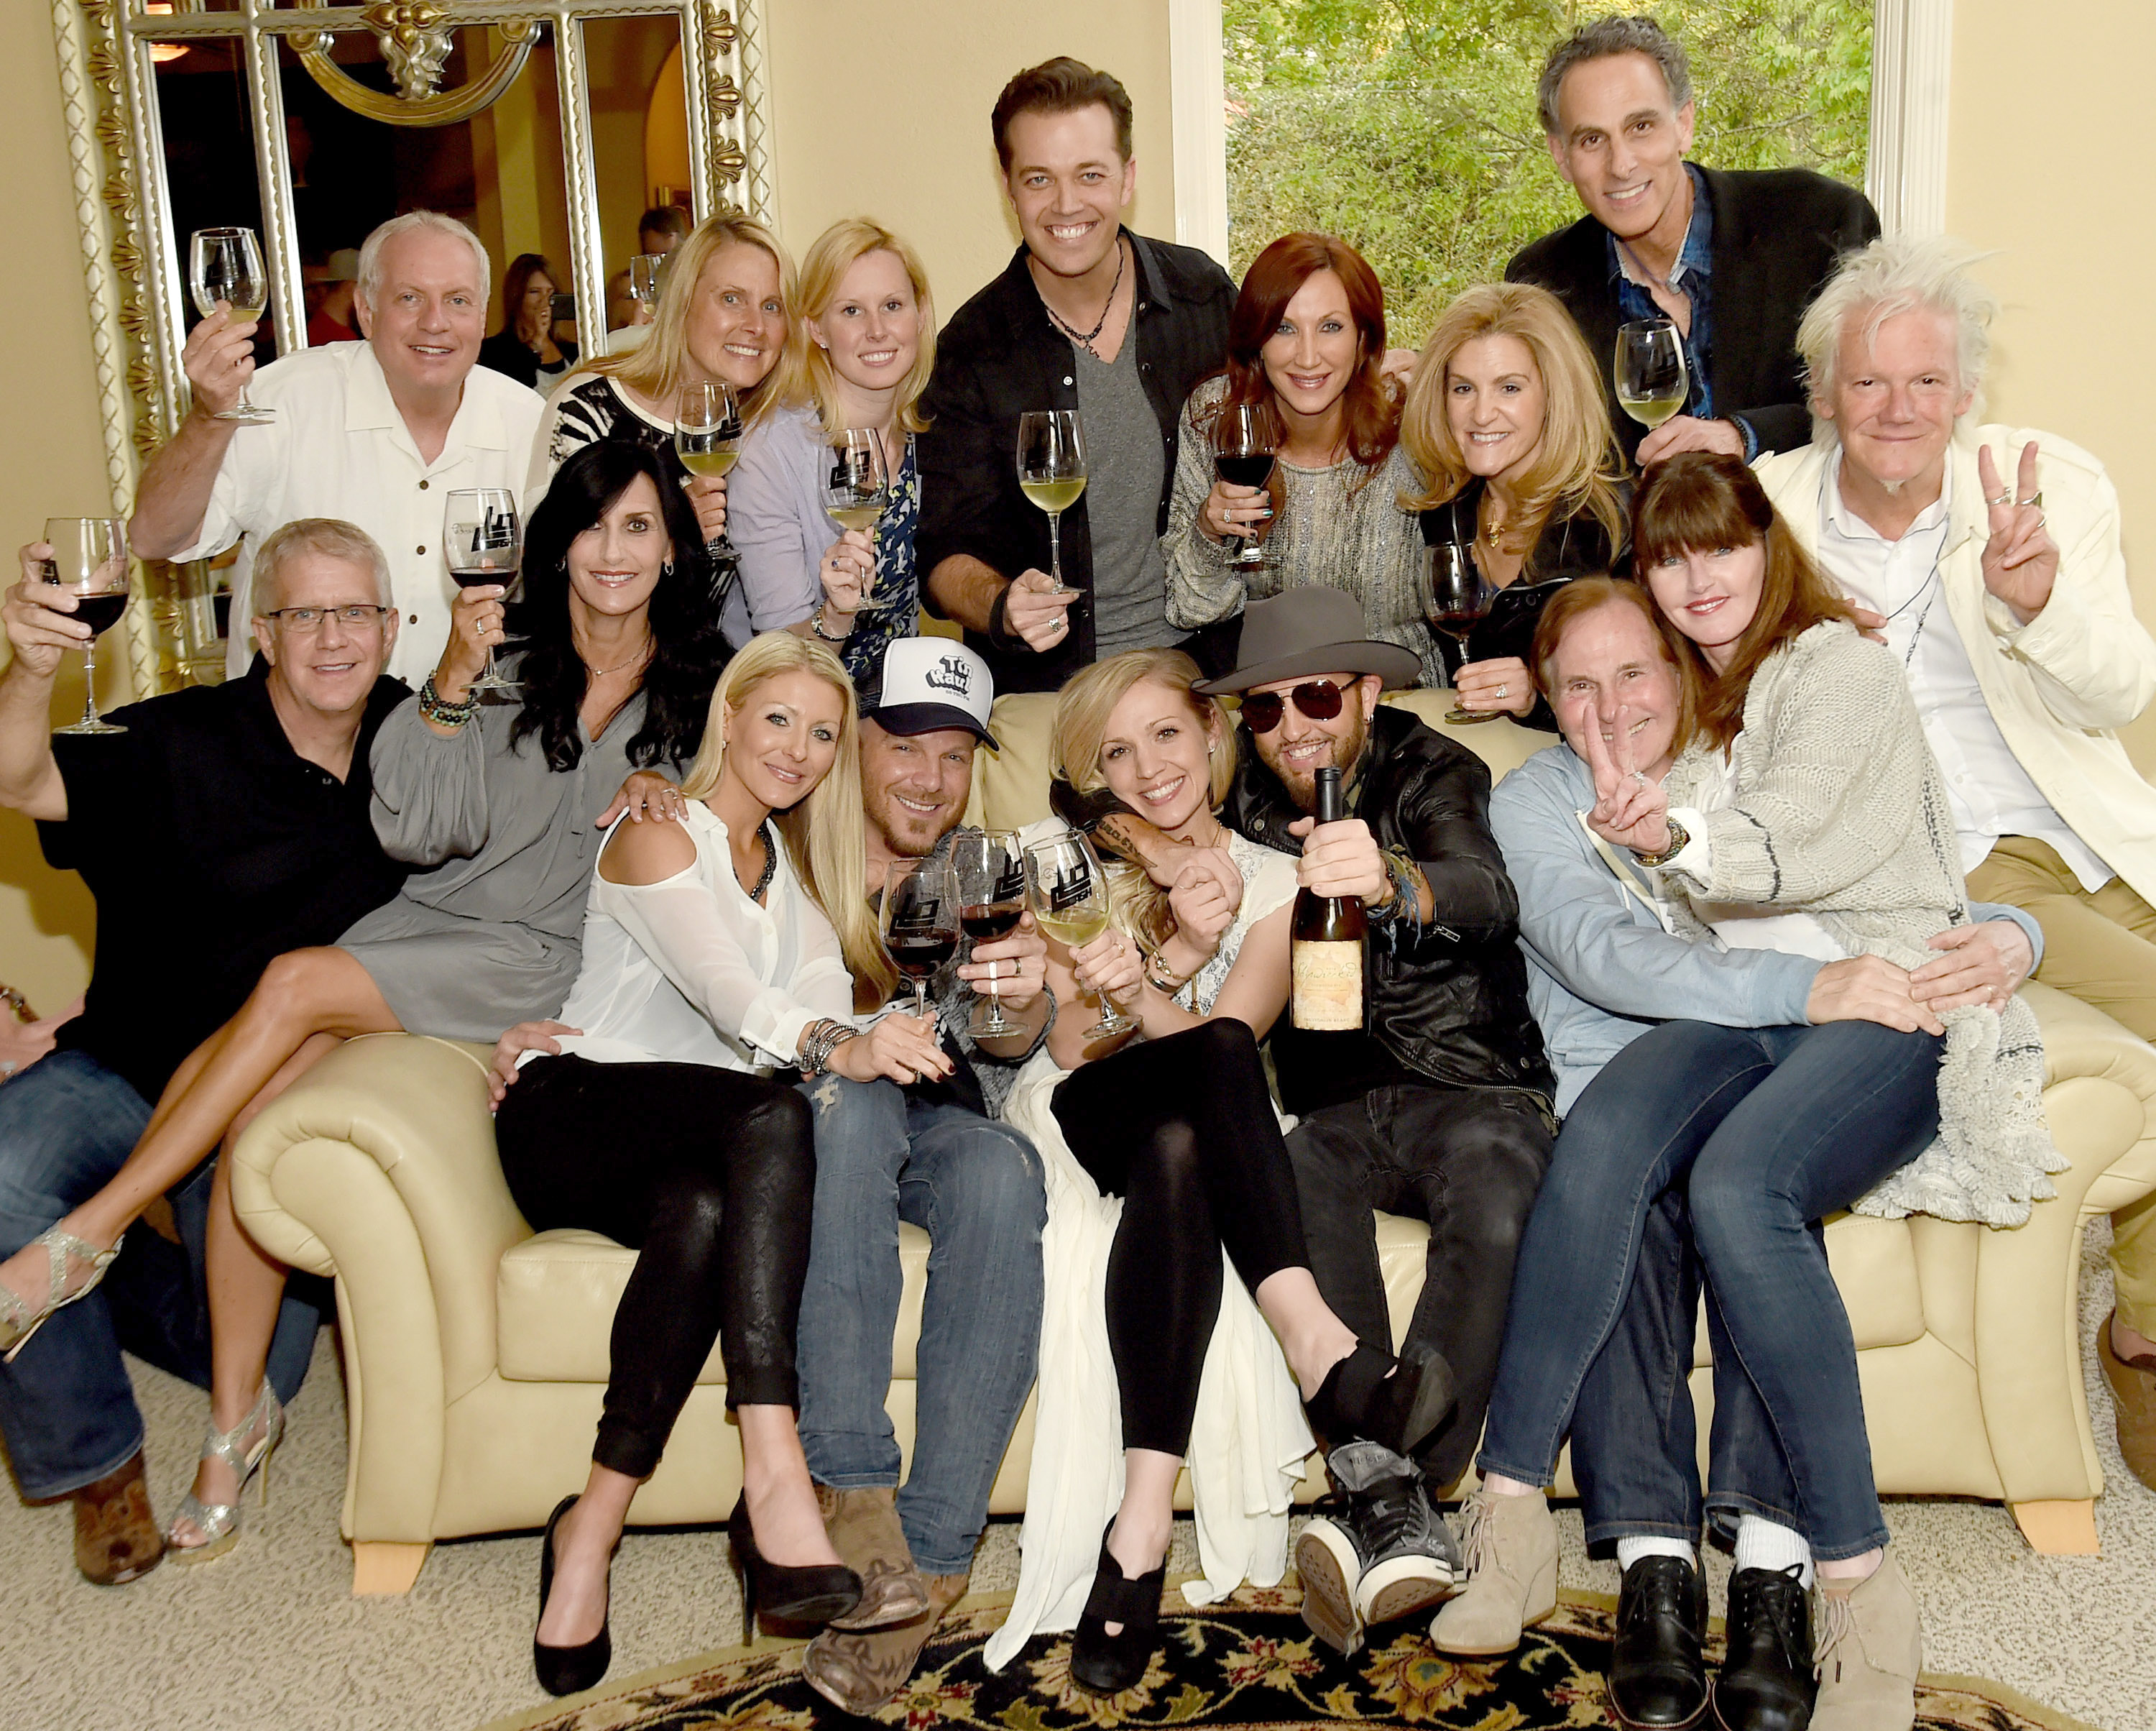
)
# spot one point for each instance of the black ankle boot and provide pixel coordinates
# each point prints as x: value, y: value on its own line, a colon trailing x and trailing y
x: 1104, y: 1664
x: 1766, y: 1682
x: 1396, y: 1402
x: 1657, y: 1677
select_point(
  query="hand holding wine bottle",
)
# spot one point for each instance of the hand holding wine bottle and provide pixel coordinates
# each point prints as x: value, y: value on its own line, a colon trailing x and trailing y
x: 1329, y: 925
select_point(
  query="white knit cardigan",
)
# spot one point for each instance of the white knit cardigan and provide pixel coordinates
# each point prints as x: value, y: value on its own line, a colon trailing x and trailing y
x: 1839, y: 813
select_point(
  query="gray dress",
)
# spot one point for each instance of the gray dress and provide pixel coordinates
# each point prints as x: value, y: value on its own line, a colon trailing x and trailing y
x: 486, y: 932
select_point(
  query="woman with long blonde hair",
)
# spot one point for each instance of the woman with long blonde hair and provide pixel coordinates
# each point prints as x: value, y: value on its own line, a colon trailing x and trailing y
x: 725, y: 316
x: 871, y: 330
x: 1162, y: 1149
x: 715, y: 948
x: 1507, y: 423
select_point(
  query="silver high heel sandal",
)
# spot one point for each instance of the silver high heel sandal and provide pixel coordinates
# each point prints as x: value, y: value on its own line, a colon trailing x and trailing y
x: 219, y: 1522
x: 19, y: 1319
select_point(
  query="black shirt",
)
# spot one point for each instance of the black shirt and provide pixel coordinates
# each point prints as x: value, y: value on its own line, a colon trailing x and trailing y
x: 212, y: 847
x: 1002, y: 356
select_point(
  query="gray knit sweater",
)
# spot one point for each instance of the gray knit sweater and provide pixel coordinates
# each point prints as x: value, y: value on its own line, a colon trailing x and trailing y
x: 1839, y: 813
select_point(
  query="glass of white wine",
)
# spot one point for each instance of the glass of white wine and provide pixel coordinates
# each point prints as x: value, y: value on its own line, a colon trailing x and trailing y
x: 89, y: 558
x: 226, y: 264
x: 707, y: 431
x: 647, y: 277
x: 856, y: 490
x: 1051, y: 471
x: 1652, y: 384
x: 1070, y: 897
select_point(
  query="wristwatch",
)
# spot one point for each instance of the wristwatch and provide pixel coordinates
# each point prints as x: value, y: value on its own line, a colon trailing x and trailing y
x: 1680, y: 838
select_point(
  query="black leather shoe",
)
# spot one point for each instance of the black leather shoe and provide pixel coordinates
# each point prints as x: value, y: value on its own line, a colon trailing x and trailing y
x: 1657, y: 1675
x: 1766, y: 1682
x: 1397, y: 1402
x: 1104, y: 1664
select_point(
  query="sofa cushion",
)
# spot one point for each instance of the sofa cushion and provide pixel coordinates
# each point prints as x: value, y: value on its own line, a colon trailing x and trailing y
x: 557, y: 1292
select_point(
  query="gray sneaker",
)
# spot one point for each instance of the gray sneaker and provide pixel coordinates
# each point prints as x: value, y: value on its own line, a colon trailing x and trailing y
x: 1386, y: 1553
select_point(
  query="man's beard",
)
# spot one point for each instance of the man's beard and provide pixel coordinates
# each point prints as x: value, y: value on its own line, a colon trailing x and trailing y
x: 1301, y: 784
x: 918, y: 837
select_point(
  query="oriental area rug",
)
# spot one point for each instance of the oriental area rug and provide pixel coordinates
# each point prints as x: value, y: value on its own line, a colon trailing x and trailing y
x: 1248, y: 1662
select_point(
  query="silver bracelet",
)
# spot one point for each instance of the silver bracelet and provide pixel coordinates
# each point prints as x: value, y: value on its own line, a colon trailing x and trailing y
x: 820, y: 1042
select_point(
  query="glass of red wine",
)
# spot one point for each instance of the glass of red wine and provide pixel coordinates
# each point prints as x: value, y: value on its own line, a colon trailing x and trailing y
x: 919, y: 922
x: 89, y: 558
x: 990, y: 879
x: 1242, y: 446
x: 485, y: 542
x: 1457, y: 597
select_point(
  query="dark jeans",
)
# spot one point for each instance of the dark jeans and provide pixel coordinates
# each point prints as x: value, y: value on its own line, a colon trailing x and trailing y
x: 1467, y: 1161
x: 1766, y: 1130
x: 1183, y: 1130
x: 885, y: 1155
x: 66, y: 1408
x: 710, y: 1175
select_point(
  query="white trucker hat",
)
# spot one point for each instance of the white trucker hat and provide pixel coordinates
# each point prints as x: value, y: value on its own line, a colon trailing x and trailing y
x: 930, y: 683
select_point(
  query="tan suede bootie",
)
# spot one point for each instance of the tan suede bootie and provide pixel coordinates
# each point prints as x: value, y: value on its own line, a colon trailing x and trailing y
x: 1511, y: 1545
x: 1869, y: 1651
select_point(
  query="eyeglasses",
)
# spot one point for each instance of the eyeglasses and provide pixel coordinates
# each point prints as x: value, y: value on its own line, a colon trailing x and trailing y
x: 1318, y: 698
x: 357, y: 615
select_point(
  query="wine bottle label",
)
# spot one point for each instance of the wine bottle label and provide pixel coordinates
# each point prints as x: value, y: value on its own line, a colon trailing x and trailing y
x: 1329, y: 984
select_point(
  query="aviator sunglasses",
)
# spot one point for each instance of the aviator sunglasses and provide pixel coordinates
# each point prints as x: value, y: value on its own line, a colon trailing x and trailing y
x: 1318, y: 698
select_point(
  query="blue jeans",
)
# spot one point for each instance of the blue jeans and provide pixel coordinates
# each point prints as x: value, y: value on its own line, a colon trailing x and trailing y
x: 1765, y: 1130
x: 976, y: 1186
x: 66, y: 1408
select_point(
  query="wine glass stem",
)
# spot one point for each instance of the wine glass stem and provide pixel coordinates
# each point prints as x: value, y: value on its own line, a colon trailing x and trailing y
x: 921, y: 998
x: 1055, y: 546
x: 90, y: 681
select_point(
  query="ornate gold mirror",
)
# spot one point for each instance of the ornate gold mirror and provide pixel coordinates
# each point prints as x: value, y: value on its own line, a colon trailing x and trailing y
x: 549, y: 126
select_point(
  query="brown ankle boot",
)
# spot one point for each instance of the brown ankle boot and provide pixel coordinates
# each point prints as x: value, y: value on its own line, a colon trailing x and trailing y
x: 858, y: 1670
x: 2134, y: 1394
x: 865, y: 1533
x: 115, y: 1537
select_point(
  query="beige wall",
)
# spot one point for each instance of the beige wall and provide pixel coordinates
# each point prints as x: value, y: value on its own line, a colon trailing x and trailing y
x: 2043, y: 167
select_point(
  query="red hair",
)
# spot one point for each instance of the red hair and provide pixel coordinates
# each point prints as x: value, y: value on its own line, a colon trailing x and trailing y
x: 1371, y: 416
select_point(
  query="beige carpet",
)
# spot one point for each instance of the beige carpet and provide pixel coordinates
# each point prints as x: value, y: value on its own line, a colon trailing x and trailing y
x: 270, y: 1635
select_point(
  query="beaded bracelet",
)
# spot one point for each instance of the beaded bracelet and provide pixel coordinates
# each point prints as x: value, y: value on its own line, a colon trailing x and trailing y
x: 820, y: 1044
x: 442, y: 713
x: 816, y: 625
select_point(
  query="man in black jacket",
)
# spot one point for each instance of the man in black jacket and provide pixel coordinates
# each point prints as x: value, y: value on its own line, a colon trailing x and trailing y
x: 1732, y: 258
x: 1439, y: 1107
x: 1088, y: 317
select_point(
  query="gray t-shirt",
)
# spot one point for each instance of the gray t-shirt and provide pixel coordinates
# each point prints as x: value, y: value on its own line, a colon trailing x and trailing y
x: 1123, y: 467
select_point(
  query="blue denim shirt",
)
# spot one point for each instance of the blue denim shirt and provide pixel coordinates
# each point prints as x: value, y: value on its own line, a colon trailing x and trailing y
x: 1693, y: 273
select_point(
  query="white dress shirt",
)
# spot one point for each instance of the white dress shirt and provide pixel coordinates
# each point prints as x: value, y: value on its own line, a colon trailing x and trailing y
x: 339, y: 448
x: 1991, y: 794
x: 691, y: 971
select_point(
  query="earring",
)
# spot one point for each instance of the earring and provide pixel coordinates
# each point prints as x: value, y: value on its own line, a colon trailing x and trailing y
x: 665, y: 569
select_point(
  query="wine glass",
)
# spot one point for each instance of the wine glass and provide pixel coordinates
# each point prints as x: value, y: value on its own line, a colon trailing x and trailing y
x: 919, y: 922
x: 226, y: 264
x: 1051, y: 471
x: 1069, y: 896
x: 647, y: 277
x: 707, y: 430
x: 856, y: 490
x: 990, y: 877
x: 485, y: 542
x: 1651, y: 381
x: 89, y: 556
x: 1243, y: 442
x: 1457, y: 597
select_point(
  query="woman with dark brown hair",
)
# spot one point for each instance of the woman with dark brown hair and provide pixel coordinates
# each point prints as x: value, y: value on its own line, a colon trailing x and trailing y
x: 525, y: 347
x: 1306, y: 349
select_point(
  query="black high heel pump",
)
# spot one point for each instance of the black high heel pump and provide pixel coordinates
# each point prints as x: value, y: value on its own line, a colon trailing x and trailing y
x: 809, y: 1595
x: 565, y: 1670
x: 1397, y: 1402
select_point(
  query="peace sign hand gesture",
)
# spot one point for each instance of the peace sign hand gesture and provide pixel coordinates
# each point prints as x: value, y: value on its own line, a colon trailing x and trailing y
x: 1631, y: 810
x: 2020, y: 559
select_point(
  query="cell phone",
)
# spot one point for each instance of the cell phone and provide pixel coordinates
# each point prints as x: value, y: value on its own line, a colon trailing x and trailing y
x: 565, y: 307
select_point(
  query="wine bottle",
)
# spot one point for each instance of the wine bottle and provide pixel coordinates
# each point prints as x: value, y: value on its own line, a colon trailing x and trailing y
x: 1326, y: 940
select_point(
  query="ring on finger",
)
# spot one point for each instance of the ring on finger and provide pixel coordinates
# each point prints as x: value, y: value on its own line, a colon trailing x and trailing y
x: 2035, y: 498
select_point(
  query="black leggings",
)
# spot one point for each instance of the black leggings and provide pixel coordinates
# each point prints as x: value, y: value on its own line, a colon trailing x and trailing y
x: 1183, y: 1129
x: 709, y: 1174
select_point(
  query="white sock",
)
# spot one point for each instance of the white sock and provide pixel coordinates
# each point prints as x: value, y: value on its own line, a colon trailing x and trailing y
x: 1762, y: 1544
x: 1630, y: 1550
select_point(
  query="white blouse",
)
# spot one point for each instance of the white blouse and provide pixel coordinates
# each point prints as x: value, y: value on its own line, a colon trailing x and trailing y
x: 690, y: 970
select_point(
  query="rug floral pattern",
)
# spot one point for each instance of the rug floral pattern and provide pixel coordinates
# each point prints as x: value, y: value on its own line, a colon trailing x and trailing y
x: 1247, y: 1662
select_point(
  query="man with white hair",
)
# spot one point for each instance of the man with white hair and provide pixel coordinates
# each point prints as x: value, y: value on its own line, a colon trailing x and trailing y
x: 1992, y: 555
x: 376, y: 433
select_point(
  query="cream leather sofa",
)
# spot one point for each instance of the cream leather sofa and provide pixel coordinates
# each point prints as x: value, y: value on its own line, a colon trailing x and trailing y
x: 475, y: 1353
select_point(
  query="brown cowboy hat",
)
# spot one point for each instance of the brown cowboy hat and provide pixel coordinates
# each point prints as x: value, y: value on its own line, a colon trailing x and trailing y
x: 1310, y: 631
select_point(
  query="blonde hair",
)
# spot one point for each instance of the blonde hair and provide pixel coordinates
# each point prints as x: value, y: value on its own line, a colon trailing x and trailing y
x: 837, y: 249
x: 1135, y: 902
x: 1577, y: 462
x: 823, y: 832
x: 657, y: 368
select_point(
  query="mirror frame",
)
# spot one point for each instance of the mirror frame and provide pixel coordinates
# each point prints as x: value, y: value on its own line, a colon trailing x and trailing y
x: 131, y: 272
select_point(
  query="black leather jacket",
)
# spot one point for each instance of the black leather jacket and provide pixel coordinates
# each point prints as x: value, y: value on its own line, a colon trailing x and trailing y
x: 1453, y: 1005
